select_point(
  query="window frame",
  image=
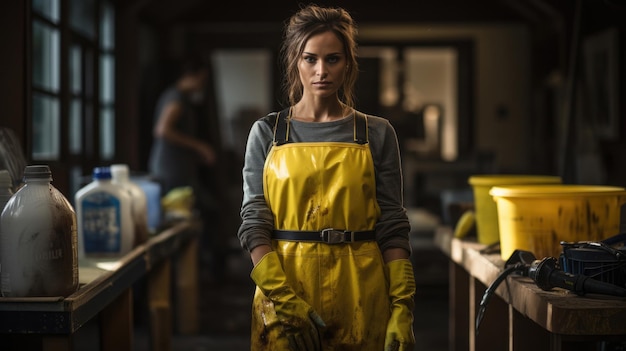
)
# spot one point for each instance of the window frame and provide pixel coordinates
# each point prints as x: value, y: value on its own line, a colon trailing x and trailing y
x: 72, y: 169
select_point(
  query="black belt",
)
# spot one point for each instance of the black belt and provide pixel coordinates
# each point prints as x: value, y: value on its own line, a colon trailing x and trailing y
x: 329, y: 235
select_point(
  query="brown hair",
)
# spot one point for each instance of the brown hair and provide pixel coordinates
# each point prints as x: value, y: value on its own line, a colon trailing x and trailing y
x: 308, y: 21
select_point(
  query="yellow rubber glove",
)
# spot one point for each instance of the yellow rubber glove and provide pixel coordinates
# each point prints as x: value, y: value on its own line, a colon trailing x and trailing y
x: 298, y: 319
x: 400, y: 336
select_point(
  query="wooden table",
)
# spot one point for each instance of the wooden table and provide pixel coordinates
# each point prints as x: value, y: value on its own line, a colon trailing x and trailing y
x: 520, y: 315
x: 106, y: 292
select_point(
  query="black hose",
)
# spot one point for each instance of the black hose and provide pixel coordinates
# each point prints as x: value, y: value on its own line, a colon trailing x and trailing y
x: 520, y: 267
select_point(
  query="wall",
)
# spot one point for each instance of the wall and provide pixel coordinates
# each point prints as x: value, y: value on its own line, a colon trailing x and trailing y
x: 12, y: 67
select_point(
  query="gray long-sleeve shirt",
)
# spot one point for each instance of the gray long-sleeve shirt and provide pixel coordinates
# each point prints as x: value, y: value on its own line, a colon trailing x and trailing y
x: 257, y: 224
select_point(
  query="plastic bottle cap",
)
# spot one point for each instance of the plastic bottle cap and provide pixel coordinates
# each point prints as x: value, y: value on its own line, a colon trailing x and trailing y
x: 37, y: 172
x: 102, y: 173
x: 119, y: 171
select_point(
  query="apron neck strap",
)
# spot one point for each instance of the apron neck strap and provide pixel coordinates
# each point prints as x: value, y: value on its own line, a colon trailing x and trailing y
x: 281, y: 128
x: 360, y: 128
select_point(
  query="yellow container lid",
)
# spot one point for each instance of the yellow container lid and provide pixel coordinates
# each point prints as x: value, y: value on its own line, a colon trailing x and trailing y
x: 555, y: 190
x: 502, y: 179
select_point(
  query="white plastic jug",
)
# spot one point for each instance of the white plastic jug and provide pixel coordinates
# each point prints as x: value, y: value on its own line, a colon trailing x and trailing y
x: 38, y: 240
x: 120, y: 175
x: 104, y: 212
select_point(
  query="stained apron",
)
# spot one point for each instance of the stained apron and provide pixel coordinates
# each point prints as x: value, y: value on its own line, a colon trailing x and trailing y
x: 310, y: 187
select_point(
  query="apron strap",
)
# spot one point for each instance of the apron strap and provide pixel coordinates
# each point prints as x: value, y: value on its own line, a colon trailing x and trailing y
x: 360, y: 128
x: 328, y: 235
x: 281, y: 128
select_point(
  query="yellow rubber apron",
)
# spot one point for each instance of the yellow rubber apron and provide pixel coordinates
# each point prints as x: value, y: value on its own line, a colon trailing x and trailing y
x: 311, y: 187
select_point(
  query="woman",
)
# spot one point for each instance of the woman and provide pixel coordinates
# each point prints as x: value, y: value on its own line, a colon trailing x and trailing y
x: 322, y: 212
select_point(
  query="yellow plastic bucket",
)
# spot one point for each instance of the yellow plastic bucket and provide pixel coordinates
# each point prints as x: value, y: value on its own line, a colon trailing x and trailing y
x: 537, y: 218
x: 487, y: 229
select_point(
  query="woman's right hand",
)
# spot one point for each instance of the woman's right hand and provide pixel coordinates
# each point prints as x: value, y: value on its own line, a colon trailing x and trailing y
x: 299, y: 322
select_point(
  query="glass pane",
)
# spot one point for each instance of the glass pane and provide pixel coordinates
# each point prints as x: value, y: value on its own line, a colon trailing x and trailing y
x: 107, y: 27
x: 76, y: 74
x: 46, y: 140
x: 107, y: 79
x: 388, y: 56
x: 244, y: 84
x: 46, y: 56
x: 83, y: 17
x: 107, y: 133
x: 76, y: 126
x: 47, y: 8
x: 431, y: 79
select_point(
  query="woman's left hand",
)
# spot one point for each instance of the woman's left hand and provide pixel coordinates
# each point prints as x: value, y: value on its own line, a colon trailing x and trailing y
x: 400, y: 336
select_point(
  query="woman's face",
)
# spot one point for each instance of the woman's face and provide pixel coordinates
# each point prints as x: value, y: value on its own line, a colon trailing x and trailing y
x: 322, y: 65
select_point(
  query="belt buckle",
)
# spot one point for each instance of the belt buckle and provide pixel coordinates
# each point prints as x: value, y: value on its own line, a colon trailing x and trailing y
x: 333, y: 236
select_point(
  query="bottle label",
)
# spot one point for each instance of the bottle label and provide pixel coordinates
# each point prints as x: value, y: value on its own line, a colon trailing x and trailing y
x: 43, y: 260
x: 102, y: 229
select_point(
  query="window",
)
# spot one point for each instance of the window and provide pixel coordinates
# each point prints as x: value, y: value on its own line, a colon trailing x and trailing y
x: 243, y: 90
x: 107, y: 82
x: 73, y: 85
x: 424, y: 88
x: 46, y: 84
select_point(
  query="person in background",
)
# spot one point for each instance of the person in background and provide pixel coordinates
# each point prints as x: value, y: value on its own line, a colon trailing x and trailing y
x: 322, y: 211
x: 179, y: 152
